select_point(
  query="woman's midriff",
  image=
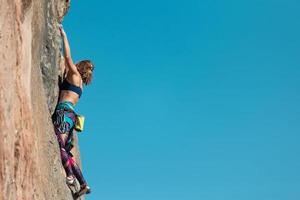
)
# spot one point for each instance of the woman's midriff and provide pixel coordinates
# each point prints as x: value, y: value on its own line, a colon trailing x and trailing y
x: 70, y: 96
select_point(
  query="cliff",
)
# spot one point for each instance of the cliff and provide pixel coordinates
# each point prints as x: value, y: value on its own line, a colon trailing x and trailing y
x: 30, y: 165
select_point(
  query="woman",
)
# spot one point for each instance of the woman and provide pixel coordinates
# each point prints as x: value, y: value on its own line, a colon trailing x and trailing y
x: 64, y: 117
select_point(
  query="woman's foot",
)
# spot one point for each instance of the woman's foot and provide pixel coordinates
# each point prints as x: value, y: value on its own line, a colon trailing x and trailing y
x: 70, y: 180
x: 84, y: 189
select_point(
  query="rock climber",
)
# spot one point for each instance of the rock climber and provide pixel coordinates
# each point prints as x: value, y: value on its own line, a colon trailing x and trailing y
x: 64, y: 117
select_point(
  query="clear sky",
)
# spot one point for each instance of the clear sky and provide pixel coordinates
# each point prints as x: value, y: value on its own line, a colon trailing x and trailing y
x: 191, y: 100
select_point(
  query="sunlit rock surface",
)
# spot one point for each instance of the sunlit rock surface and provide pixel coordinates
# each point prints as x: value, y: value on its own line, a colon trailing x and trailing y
x: 30, y: 165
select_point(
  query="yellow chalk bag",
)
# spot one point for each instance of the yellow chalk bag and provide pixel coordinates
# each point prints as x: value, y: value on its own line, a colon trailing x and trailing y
x: 79, y: 123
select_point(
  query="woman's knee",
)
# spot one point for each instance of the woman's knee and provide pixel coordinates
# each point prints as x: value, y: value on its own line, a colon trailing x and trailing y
x: 64, y: 154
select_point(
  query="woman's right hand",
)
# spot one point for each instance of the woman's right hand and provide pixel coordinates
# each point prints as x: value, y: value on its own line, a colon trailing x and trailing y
x: 61, y: 29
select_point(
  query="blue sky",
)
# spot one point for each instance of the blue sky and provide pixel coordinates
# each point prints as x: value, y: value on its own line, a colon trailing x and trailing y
x: 191, y: 99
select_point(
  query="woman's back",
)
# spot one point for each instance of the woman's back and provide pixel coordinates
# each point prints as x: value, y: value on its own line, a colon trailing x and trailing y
x: 71, y: 88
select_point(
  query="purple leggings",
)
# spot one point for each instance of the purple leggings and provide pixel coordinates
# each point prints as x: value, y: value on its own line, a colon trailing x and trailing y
x: 65, y: 136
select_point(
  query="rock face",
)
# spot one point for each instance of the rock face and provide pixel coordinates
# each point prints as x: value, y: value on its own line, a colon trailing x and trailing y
x: 30, y: 165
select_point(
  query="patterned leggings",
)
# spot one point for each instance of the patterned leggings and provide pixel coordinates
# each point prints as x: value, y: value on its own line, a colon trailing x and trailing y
x: 63, y: 128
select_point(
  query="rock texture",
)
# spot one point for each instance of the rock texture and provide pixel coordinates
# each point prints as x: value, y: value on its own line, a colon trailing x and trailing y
x: 30, y: 165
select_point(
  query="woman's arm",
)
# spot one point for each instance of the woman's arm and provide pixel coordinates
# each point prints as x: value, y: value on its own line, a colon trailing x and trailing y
x: 67, y: 52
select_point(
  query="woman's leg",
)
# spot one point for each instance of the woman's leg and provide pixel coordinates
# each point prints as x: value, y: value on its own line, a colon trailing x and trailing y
x: 84, y: 188
x: 77, y: 172
x: 61, y: 137
x: 64, y: 134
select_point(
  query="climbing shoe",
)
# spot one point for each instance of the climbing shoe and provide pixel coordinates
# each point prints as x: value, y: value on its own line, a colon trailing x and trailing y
x: 84, y: 189
x: 70, y: 180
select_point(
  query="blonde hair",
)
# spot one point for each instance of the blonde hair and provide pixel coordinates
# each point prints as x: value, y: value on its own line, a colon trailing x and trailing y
x: 85, y: 68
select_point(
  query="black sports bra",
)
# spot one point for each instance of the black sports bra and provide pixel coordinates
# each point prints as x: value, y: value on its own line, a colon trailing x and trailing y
x: 68, y: 86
